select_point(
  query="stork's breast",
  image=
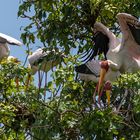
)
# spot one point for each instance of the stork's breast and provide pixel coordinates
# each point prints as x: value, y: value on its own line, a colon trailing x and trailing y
x: 4, y: 51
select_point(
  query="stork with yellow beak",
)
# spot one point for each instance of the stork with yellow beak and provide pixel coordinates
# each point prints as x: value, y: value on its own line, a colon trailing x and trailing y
x: 126, y: 56
x: 94, y: 70
x: 121, y: 57
x: 42, y: 60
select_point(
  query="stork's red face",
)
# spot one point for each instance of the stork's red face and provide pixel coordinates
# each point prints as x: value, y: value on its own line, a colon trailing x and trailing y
x: 104, y: 69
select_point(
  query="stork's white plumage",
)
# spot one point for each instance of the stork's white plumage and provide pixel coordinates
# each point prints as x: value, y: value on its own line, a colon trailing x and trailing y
x: 44, y: 60
x: 4, y: 41
x: 10, y: 40
x: 93, y: 65
x: 124, y: 57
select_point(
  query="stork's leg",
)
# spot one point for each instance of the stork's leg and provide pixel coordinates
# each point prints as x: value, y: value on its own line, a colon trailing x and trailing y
x: 94, y: 94
x: 108, y: 88
x: 100, y: 95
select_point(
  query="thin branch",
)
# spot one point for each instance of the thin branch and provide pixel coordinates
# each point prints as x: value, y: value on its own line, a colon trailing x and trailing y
x: 126, y: 124
x: 39, y: 126
x: 125, y: 95
x: 71, y: 111
x: 26, y: 56
x: 25, y: 16
x: 137, y: 124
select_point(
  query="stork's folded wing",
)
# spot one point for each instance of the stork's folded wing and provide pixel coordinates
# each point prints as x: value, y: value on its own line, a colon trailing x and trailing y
x: 7, y: 39
x: 89, y: 71
x: 36, y: 56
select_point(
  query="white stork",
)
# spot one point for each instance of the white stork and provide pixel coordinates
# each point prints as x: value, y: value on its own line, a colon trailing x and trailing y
x: 91, y: 70
x: 4, y: 41
x: 44, y: 60
x: 121, y: 58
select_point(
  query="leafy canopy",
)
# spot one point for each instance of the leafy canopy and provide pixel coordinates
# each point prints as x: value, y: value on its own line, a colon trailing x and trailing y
x: 63, y: 107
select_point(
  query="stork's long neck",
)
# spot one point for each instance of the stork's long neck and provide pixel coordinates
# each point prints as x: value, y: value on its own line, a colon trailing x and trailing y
x: 114, y: 41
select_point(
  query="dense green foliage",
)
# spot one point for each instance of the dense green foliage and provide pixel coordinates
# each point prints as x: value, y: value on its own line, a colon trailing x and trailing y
x: 62, y: 108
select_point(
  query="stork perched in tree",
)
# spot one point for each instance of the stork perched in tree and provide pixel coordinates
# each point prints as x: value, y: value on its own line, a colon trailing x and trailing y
x: 4, y: 41
x: 107, y: 42
x: 5, y: 50
x: 121, y: 58
x: 44, y: 60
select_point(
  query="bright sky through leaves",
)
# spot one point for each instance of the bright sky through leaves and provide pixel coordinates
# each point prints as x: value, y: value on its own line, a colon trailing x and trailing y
x: 10, y: 24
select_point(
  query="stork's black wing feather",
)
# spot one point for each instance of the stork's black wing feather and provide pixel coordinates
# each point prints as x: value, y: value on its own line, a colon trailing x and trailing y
x: 100, y: 46
x: 85, y: 53
x: 86, y: 57
x: 135, y: 30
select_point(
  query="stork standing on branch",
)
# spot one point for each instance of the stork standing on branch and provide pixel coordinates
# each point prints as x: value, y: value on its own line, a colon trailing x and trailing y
x: 121, y: 57
x: 42, y: 60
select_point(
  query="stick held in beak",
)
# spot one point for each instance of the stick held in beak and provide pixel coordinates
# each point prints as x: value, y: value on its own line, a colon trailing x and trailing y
x: 104, y: 69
